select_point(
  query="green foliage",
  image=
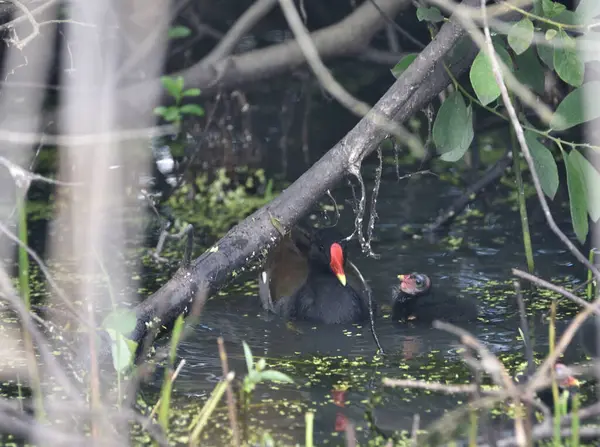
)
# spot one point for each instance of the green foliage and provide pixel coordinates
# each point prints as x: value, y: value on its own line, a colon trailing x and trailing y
x: 175, y: 113
x: 551, y: 8
x: 530, y: 71
x: 545, y: 165
x: 257, y: 373
x: 577, y: 196
x: 167, y: 385
x: 119, y: 324
x: 401, y: 66
x: 566, y: 61
x: 452, y: 131
x: 521, y: 35
x: 453, y: 128
x: 431, y: 14
x: 218, y: 205
x: 591, y: 180
x: 482, y: 76
x: 571, y: 111
x: 179, y: 31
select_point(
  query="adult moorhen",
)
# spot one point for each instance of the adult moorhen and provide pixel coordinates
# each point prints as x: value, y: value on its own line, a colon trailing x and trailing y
x: 413, y: 300
x: 305, y: 278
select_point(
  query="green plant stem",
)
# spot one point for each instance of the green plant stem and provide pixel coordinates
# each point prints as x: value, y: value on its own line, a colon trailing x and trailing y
x: 575, y: 421
x: 200, y: 421
x: 167, y: 386
x: 34, y: 375
x: 555, y: 397
x: 522, y: 203
x: 309, y: 418
x: 590, y: 286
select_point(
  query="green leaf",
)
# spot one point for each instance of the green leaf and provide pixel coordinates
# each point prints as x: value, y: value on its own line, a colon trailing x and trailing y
x: 550, y: 34
x: 176, y: 336
x: 587, y: 11
x: 248, y: 357
x: 122, y: 321
x: 192, y: 92
x: 431, y: 14
x: 571, y: 109
x: 172, y: 113
x: 529, y: 70
x: 482, y: 76
x: 179, y: 31
x: 275, y: 376
x: 160, y: 111
x: 403, y: 64
x: 567, y: 64
x: 545, y: 165
x: 122, y: 354
x: 520, y: 35
x: 546, y: 54
x: 192, y: 109
x: 173, y: 85
x: 577, y: 196
x: 261, y: 364
x: 591, y: 178
x: 453, y: 128
x: 551, y: 8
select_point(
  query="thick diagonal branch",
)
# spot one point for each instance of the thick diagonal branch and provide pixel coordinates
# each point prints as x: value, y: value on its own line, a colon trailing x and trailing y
x: 421, y: 82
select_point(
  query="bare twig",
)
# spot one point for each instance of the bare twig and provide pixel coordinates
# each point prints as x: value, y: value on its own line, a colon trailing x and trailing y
x: 332, y: 85
x: 564, y: 292
x: 251, y: 16
x: 438, y: 387
x: 82, y: 140
x: 494, y: 367
x: 229, y: 392
x: 415, y: 430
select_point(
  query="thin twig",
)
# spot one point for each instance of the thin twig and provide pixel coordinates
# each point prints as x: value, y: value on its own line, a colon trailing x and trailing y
x: 493, y: 366
x: 332, y: 86
x: 247, y: 20
x: 548, y: 285
x: 229, y: 393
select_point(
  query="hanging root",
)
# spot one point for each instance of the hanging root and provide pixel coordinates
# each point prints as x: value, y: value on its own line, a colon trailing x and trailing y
x: 359, y: 210
x: 335, y: 207
x: 371, y: 310
x: 373, y: 209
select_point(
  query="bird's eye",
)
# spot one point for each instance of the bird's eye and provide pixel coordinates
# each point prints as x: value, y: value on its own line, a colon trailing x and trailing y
x: 419, y: 281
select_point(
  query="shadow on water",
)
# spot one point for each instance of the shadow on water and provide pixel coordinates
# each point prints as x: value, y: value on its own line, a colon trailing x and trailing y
x: 471, y: 264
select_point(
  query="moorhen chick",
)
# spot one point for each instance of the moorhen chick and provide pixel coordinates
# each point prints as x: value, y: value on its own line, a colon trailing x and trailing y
x: 306, y: 279
x: 406, y: 294
x: 565, y: 382
x: 413, y: 300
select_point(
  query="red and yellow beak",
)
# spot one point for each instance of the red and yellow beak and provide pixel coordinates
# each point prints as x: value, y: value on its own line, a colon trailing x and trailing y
x: 337, y: 262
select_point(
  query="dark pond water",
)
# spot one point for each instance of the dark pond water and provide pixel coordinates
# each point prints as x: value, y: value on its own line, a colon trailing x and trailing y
x: 470, y: 264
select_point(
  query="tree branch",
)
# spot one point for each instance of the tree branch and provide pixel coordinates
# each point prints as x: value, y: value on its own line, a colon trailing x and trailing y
x: 421, y: 82
x: 349, y: 36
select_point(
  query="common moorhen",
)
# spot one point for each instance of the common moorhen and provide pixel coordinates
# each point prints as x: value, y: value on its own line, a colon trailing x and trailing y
x: 305, y: 278
x: 405, y: 295
x: 413, y: 300
x: 566, y: 382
